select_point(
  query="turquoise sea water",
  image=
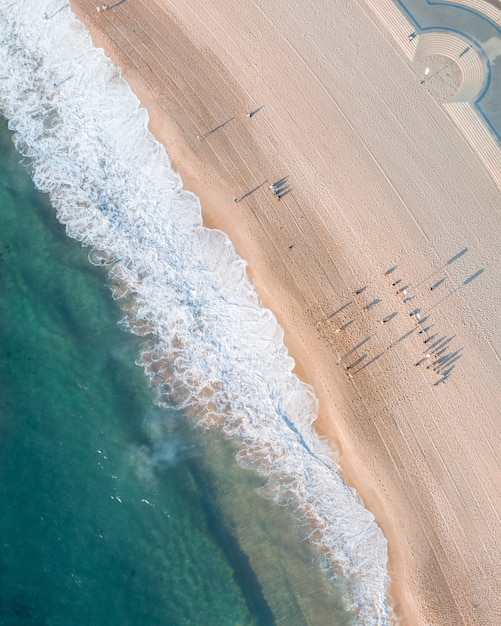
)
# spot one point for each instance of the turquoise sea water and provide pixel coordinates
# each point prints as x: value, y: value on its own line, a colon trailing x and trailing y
x: 204, y: 498
x: 102, y: 520
x: 73, y: 405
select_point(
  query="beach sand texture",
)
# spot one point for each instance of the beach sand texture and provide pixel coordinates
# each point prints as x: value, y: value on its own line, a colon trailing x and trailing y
x: 380, y: 178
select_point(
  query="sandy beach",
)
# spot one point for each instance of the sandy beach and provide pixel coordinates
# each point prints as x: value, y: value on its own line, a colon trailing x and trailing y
x: 381, y: 181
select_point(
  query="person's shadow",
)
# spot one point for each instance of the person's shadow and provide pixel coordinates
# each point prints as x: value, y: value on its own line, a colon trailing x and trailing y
x: 112, y: 6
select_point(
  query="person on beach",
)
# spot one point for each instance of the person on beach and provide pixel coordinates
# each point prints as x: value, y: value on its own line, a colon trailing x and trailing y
x: 283, y: 191
x: 425, y: 358
x: 252, y: 113
x: 279, y: 186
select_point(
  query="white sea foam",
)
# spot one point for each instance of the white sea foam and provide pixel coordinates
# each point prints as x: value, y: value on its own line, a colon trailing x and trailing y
x: 211, y: 347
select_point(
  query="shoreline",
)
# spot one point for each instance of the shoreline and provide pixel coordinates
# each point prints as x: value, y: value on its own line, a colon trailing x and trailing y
x: 205, y: 172
x: 213, y: 215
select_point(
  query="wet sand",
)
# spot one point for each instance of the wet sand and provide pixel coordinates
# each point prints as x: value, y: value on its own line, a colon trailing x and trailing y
x: 380, y: 178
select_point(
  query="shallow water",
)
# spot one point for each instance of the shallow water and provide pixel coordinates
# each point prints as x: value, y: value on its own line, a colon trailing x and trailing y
x: 212, y: 354
x: 86, y: 540
x: 114, y: 510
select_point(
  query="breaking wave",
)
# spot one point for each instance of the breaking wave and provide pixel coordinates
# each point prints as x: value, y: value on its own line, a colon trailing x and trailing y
x: 209, y: 346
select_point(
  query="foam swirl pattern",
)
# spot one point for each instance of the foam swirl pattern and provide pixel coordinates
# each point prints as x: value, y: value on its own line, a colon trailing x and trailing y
x: 210, y: 348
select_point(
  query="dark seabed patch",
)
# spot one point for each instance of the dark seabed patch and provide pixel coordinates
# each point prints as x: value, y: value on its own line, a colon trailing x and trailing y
x: 84, y: 539
x: 115, y: 511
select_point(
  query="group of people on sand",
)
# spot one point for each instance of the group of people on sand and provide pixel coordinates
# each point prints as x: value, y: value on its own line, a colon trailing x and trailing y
x: 280, y: 188
x: 438, y: 356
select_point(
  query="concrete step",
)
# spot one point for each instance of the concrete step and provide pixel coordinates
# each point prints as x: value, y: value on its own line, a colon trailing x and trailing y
x: 483, y: 7
x: 464, y: 115
x: 472, y: 65
x: 396, y: 23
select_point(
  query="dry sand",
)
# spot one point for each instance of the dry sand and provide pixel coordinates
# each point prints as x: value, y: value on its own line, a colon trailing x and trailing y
x: 380, y: 177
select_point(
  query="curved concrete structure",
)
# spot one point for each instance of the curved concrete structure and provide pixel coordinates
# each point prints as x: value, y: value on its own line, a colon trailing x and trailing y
x: 480, y: 6
x: 469, y: 33
x: 474, y: 67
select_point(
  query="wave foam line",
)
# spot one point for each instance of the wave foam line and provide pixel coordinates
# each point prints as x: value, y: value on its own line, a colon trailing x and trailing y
x: 211, y: 348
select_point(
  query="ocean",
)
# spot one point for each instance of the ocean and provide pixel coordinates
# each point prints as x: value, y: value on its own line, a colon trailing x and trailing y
x: 157, y: 456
